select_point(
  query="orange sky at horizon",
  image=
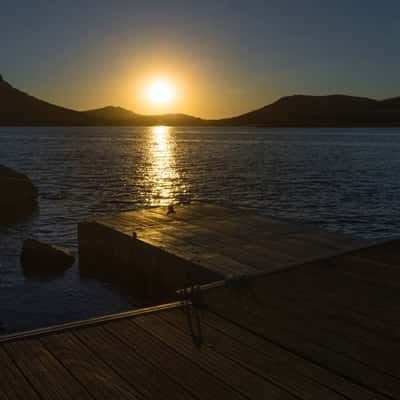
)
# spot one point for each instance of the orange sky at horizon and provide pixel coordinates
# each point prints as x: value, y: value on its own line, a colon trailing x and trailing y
x: 201, y: 89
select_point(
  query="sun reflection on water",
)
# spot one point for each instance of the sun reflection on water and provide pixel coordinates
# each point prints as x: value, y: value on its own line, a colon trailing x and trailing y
x: 160, y: 131
x: 163, y: 177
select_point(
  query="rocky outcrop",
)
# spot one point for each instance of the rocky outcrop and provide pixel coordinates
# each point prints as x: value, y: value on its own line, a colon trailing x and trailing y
x: 39, y: 257
x: 17, y: 193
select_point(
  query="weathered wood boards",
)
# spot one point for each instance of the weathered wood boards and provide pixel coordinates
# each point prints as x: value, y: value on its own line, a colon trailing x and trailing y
x: 325, y: 329
x: 162, y: 251
x: 340, y: 313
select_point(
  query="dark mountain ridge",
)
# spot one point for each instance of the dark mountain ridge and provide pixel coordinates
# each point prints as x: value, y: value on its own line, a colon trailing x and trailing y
x: 111, y: 113
x: 120, y: 116
x: 18, y: 109
x: 330, y: 110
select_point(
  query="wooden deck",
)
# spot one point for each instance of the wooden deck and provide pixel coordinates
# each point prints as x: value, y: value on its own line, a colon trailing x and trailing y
x: 290, y: 313
x: 328, y: 329
x: 197, y: 243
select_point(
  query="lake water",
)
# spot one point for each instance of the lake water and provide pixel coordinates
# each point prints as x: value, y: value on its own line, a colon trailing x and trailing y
x: 340, y: 179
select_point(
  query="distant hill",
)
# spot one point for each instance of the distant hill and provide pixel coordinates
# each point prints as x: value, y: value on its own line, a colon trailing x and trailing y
x: 111, y: 114
x: 19, y: 108
x: 120, y: 116
x: 333, y: 110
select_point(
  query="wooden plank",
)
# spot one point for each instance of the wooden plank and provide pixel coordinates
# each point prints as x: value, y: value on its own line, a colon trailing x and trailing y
x: 152, y: 382
x: 213, y: 212
x: 246, y: 236
x: 250, y: 250
x: 228, y: 306
x: 47, y: 375
x: 321, y: 279
x: 327, y: 307
x: 237, y: 219
x: 241, y: 226
x: 264, y: 234
x: 206, y: 240
x: 215, y: 262
x: 345, y: 337
x: 181, y: 229
x: 273, y: 290
x: 331, y: 300
x: 248, y: 228
x: 240, y: 260
x: 198, y: 381
x: 247, y: 242
x: 386, y: 296
x: 384, y: 275
x: 207, y: 209
x: 302, y: 366
x: 13, y: 384
x: 245, y: 381
x: 100, y: 380
x: 387, y: 253
x: 256, y: 360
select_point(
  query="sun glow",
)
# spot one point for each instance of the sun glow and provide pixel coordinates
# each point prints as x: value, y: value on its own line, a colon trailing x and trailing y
x: 161, y: 92
x: 160, y: 131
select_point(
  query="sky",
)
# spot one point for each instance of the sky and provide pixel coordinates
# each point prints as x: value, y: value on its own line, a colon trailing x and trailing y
x: 224, y: 57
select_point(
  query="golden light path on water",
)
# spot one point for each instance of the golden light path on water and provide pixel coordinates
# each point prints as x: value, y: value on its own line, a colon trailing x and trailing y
x: 163, y: 176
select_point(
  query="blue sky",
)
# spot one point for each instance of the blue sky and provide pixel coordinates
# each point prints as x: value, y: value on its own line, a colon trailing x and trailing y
x: 226, y: 57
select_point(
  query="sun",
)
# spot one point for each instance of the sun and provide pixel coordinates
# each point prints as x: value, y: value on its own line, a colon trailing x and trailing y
x: 161, y: 92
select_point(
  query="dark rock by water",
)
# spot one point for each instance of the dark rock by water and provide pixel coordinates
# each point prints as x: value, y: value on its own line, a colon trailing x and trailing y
x: 39, y: 257
x: 17, y: 193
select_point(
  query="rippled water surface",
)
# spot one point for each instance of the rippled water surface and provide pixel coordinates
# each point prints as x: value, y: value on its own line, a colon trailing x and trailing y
x: 340, y: 179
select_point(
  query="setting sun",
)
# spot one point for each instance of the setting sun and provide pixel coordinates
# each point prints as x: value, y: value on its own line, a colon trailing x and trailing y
x: 161, y: 91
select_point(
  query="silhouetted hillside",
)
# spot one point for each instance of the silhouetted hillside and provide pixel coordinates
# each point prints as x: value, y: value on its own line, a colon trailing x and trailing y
x: 19, y: 108
x: 111, y: 113
x: 333, y: 110
x: 120, y: 116
x: 393, y: 103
